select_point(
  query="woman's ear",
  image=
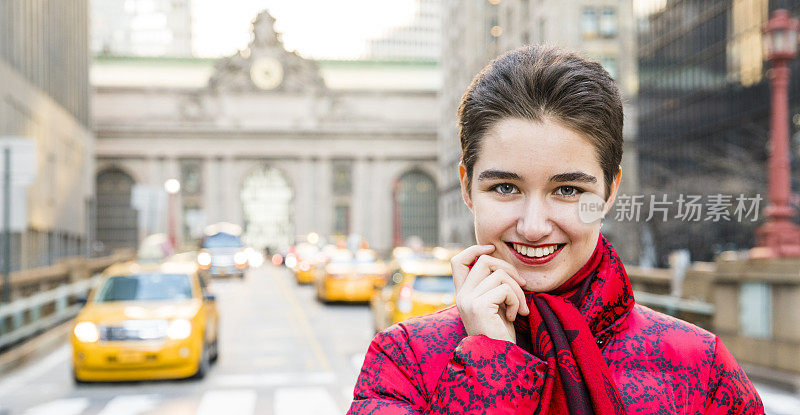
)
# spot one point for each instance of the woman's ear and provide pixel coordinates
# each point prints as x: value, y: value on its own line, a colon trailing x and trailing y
x: 613, y: 191
x: 463, y: 178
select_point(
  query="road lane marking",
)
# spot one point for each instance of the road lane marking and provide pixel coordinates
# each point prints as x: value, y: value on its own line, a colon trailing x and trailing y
x: 302, y: 320
x: 778, y: 403
x: 72, y: 406
x: 274, y: 379
x: 229, y: 402
x: 304, y: 401
x: 27, y: 374
x: 130, y: 404
x: 357, y: 361
x: 347, y: 393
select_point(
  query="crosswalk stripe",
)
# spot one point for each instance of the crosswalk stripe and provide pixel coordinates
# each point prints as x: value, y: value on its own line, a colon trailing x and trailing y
x: 228, y: 402
x: 777, y: 404
x: 72, y: 406
x: 26, y: 376
x: 304, y: 401
x: 274, y: 379
x: 130, y: 405
x: 357, y: 361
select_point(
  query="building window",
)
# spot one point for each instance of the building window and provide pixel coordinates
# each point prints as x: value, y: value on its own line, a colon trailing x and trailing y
x: 416, y: 210
x: 589, y: 23
x: 191, y: 177
x: 342, y: 190
x: 342, y: 178
x: 341, y: 219
x: 755, y: 310
x: 608, y: 22
x: 610, y: 65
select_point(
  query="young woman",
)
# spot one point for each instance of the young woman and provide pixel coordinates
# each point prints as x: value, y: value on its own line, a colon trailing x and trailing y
x: 545, y: 321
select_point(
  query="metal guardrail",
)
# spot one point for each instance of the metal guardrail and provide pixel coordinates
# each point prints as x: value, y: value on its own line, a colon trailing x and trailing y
x: 41, y: 296
x: 673, y: 304
x: 33, y: 305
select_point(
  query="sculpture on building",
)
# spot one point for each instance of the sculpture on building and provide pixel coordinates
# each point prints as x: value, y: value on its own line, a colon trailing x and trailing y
x: 266, y: 66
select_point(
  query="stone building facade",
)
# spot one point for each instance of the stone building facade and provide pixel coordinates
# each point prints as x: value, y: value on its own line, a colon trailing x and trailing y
x: 266, y: 144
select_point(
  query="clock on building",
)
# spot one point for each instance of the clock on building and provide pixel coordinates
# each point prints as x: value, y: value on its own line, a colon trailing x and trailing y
x: 266, y: 73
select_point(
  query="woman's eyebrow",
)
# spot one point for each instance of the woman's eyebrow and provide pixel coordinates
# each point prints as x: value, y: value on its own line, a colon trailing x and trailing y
x: 498, y: 175
x: 575, y: 176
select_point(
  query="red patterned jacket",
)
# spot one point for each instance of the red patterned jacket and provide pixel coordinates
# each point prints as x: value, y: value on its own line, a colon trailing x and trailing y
x: 661, y: 365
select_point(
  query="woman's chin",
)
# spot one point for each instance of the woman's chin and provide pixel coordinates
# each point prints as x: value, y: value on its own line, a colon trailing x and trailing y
x: 540, y: 284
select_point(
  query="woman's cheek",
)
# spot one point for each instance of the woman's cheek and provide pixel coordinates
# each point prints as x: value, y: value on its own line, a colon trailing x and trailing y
x: 567, y: 218
x: 492, y: 218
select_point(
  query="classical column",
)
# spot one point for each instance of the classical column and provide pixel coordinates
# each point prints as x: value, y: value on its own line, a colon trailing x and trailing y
x: 211, y: 189
x: 303, y: 205
x: 360, y: 212
x: 323, y: 203
x: 228, y: 191
x: 381, y: 204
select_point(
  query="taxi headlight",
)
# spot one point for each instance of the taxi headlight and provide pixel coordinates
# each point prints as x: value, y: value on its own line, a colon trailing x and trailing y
x: 240, y: 258
x: 179, y: 329
x: 86, y: 332
x: 204, y: 258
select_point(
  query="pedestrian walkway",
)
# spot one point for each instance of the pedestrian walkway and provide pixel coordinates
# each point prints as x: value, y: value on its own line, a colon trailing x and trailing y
x: 285, y: 401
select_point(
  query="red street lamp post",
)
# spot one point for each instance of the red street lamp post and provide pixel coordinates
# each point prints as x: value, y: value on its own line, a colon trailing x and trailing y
x: 780, y: 235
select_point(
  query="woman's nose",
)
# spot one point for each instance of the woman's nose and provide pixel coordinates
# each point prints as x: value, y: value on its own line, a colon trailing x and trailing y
x: 534, y: 222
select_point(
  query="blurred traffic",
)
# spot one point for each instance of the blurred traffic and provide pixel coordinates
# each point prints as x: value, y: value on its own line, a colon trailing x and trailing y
x: 156, y: 317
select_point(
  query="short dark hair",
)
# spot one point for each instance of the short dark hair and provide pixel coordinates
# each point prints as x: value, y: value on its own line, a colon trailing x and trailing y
x: 537, y: 82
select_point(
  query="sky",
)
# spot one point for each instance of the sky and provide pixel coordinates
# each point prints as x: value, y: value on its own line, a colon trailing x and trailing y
x: 320, y: 29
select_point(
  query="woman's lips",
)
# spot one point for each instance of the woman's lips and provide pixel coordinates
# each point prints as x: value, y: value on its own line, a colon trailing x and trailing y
x: 534, y: 261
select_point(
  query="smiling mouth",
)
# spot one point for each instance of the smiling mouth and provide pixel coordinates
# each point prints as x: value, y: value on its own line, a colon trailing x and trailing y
x: 535, y: 253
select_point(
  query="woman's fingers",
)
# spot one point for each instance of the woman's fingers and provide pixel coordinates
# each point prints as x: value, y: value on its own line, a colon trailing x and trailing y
x: 489, y: 293
x: 462, y: 262
x: 486, y: 265
x: 503, y: 295
x: 501, y: 277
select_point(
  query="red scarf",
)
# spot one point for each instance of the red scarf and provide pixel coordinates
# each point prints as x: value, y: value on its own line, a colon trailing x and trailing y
x: 570, y: 324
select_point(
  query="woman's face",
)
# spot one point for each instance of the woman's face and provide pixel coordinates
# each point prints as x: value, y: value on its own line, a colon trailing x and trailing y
x: 526, y: 186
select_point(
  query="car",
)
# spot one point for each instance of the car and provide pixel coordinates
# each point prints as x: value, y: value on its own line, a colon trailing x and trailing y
x: 415, y: 288
x: 349, y: 276
x: 307, y: 262
x: 222, y: 252
x: 146, y: 321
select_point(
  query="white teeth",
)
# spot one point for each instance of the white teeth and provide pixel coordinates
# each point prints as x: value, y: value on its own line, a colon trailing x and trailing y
x: 534, y: 252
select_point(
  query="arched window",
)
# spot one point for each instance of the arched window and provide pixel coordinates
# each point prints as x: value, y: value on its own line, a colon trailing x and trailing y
x: 116, y: 221
x: 267, y: 209
x: 416, y: 212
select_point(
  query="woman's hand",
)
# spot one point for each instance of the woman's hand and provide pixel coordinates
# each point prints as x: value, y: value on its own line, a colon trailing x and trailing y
x: 489, y: 295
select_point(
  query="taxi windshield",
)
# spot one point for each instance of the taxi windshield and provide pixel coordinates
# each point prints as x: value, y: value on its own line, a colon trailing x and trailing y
x: 222, y: 240
x: 341, y: 257
x: 365, y: 257
x: 434, y: 284
x: 146, y: 287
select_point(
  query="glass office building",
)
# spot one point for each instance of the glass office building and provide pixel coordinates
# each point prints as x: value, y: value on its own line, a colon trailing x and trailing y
x: 704, y: 105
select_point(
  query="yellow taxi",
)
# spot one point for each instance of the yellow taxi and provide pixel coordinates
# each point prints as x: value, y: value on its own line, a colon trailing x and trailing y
x: 308, y: 260
x: 350, y: 276
x: 146, y: 321
x: 417, y: 287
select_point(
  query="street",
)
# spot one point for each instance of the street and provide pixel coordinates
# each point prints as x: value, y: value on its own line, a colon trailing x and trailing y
x: 281, y: 352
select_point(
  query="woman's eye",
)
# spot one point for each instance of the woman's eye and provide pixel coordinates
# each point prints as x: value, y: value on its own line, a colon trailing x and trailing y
x: 505, y: 188
x: 569, y: 191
